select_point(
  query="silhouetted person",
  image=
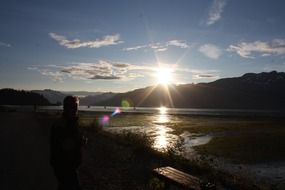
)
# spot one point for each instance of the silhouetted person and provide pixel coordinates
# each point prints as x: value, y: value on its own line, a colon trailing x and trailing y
x: 66, y: 143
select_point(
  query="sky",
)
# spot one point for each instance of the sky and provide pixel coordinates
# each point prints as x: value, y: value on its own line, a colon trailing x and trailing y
x: 121, y: 45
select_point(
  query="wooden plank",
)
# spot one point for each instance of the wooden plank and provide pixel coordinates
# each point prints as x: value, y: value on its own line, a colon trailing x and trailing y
x: 178, y: 177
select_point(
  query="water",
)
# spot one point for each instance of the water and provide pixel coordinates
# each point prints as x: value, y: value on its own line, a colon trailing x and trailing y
x: 157, y: 127
x: 160, y: 121
x: 177, y: 111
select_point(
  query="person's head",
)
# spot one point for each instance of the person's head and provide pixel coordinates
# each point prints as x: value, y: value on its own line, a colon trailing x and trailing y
x: 70, y: 106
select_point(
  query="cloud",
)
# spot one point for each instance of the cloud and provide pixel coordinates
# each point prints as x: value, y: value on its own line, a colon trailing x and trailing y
x: 178, y: 43
x: 102, y: 70
x: 3, y: 44
x: 135, y: 48
x: 76, y: 43
x: 211, y: 51
x: 205, y: 74
x: 159, y: 47
x: 216, y: 10
x: 198, y: 74
x: 121, y: 65
x: 105, y: 77
x: 115, y: 71
x: 50, y: 71
x: 56, y: 76
x: 246, y: 50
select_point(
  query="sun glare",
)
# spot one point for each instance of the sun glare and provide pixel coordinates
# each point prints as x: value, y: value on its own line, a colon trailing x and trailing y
x: 164, y: 76
x: 162, y: 110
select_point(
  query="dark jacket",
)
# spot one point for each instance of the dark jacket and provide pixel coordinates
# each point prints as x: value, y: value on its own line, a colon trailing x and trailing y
x: 66, y: 143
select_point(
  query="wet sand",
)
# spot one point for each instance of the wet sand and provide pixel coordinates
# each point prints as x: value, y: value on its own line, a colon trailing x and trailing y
x: 24, y: 160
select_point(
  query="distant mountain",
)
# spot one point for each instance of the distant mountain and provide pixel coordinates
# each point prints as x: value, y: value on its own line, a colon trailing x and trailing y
x: 82, y: 93
x: 250, y: 91
x: 54, y: 97
x: 21, y: 97
x: 86, y: 98
x: 96, y: 99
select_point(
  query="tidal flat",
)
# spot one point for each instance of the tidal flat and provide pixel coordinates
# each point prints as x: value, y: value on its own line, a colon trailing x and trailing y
x: 251, y: 148
x: 232, y: 152
x: 242, y: 140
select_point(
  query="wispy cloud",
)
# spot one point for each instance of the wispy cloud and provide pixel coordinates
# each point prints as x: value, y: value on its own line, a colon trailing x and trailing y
x: 105, y: 77
x: 211, y: 51
x: 135, y: 48
x: 76, y: 43
x: 3, y: 44
x: 178, y: 43
x: 216, y: 10
x: 205, y: 74
x: 105, y: 70
x: 102, y: 70
x: 115, y: 71
x: 159, y: 47
x: 247, y: 49
x: 50, y: 71
x: 56, y: 76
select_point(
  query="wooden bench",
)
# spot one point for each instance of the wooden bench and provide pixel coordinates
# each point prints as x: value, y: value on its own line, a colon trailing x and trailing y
x: 181, y: 180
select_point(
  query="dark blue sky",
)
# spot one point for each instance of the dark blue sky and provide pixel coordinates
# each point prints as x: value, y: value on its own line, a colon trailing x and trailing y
x: 121, y: 45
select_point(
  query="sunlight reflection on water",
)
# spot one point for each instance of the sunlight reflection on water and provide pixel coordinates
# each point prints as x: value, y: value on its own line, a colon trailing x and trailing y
x: 162, y: 119
x: 163, y: 136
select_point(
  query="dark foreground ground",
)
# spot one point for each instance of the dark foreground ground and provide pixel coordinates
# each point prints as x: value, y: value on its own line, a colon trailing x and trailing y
x: 24, y: 146
x: 110, y: 162
x: 24, y: 160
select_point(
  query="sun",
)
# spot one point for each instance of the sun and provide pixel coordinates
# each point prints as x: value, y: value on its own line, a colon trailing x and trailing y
x: 164, y: 76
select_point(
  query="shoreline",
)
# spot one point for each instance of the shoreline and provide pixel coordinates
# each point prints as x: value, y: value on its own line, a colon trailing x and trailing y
x: 223, y: 113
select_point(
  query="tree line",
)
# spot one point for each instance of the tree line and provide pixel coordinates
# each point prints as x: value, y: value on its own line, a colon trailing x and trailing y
x: 21, y: 97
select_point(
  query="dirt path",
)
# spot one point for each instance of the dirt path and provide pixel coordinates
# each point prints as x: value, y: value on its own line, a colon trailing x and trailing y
x: 24, y: 160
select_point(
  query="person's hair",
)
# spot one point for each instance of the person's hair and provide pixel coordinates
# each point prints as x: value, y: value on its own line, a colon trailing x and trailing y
x: 69, y: 100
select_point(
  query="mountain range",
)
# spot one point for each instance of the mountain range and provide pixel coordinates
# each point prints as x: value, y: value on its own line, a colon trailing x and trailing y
x: 56, y: 97
x: 264, y: 90
x: 251, y: 91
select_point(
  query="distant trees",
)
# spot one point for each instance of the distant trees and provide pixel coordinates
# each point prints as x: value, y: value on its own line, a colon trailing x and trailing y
x: 21, y: 97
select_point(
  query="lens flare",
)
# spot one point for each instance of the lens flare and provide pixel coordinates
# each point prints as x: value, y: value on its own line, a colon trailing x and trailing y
x: 125, y: 103
x: 104, y: 120
x: 117, y: 111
